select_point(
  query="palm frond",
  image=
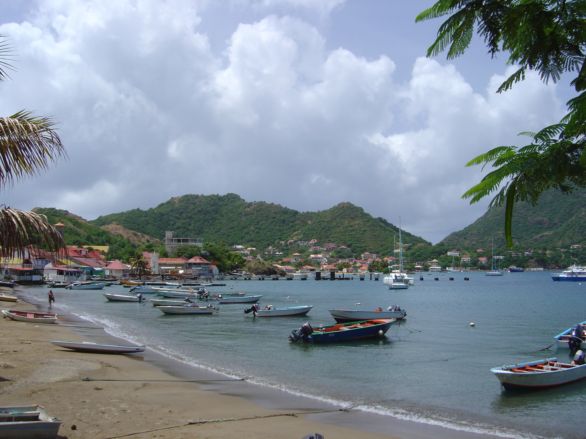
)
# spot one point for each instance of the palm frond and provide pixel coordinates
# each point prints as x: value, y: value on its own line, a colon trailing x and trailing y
x: 489, y: 156
x: 518, y: 76
x: 19, y: 229
x: 5, y: 57
x: 27, y: 144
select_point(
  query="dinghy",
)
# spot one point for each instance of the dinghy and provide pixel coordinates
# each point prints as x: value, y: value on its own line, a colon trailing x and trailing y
x: 223, y: 299
x: 122, y: 297
x: 30, y: 316
x: 190, y: 309
x: 539, y: 374
x: 98, y: 348
x: 570, y: 336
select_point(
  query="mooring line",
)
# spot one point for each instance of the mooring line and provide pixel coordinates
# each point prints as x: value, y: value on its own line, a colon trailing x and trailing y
x: 221, y: 420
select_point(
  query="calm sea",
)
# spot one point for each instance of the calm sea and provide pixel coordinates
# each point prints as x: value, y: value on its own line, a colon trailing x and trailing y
x: 433, y: 368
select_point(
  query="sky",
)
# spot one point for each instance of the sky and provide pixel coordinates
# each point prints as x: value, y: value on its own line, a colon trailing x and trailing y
x: 302, y: 103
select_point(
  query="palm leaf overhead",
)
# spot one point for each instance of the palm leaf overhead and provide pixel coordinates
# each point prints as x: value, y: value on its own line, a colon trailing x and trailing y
x: 20, y: 228
x: 27, y: 145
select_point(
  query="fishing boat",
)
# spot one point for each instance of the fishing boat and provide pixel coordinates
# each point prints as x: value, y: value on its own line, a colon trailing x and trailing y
x: 353, y: 315
x: 7, y: 283
x: 270, y: 311
x: 30, y: 316
x: 190, y: 309
x: 573, y: 273
x: 170, y: 302
x: 122, y: 297
x: 341, y: 332
x: 57, y: 284
x: 539, y: 374
x: 98, y: 348
x: 144, y: 289
x: 27, y: 422
x: 8, y: 298
x: 130, y: 282
x: 86, y: 286
x: 563, y: 338
x: 224, y: 299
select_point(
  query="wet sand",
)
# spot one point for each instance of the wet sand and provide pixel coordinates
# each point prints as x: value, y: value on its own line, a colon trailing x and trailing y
x: 150, y: 396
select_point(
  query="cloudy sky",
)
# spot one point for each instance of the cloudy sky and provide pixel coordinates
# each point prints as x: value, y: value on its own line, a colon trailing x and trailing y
x: 303, y: 103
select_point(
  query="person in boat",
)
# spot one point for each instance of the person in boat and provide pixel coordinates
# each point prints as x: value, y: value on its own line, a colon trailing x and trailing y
x: 269, y: 307
x: 579, y: 358
x: 576, y: 338
x: 51, y: 298
x: 139, y: 295
x: 378, y: 309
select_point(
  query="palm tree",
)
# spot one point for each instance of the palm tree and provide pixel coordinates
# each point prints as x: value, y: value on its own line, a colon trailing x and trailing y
x: 138, y: 266
x: 27, y: 145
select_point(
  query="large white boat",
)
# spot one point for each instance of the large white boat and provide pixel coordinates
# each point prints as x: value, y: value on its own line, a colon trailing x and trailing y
x: 574, y: 273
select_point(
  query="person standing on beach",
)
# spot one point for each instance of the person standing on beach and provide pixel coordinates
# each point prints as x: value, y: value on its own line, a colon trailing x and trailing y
x: 51, y: 298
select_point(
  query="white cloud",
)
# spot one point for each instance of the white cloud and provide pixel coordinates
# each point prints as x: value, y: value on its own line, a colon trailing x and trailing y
x: 148, y: 110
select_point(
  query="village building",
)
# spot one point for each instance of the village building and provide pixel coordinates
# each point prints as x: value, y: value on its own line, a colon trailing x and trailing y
x: 117, y: 269
x: 172, y: 243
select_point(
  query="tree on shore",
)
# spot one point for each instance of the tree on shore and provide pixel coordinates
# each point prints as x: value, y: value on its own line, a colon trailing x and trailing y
x: 27, y: 145
x: 548, y: 36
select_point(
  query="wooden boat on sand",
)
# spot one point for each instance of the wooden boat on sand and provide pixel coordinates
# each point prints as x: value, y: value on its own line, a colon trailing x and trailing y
x: 27, y: 422
x: 30, y: 316
x: 8, y: 298
x: 539, y: 374
x: 98, y: 348
x: 342, y: 332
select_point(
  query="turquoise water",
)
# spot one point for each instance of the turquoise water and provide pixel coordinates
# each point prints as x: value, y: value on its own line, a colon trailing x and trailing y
x: 433, y: 368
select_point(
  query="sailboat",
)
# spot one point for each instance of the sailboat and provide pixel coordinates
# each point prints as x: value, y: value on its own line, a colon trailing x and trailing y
x: 494, y: 271
x: 397, y: 279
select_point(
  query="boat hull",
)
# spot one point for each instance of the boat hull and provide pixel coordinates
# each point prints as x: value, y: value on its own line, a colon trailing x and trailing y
x: 238, y: 299
x: 351, y: 315
x: 27, y: 422
x: 539, y: 374
x: 187, y: 310
x: 346, y: 332
x: 98, y: 348
x: 30, y: 316
x: 284, y: 312
x: 121, y: 298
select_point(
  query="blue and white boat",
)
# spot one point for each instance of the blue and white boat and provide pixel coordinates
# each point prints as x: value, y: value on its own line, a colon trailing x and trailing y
x: 574, y: 273
x: 341, y: 332
x: 539, y: 374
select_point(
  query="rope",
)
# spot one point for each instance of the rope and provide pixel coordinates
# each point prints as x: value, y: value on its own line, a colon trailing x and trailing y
x: 221, y: 420
x: 161, y: 380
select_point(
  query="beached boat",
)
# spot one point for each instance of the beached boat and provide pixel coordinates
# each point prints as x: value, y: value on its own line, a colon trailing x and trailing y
x: 86, y: 286
x: 270, y: 311
x: 7, y: 283
x: 353, y: 315
x: 30, y: 316
x: 539, y: 374
x: 563, y: 338
x: 98, y: 348
x: 27, y: 422
x: 574, y: 273
x: 122, y: 297
x: 225, y: 299
x: 8, y: 298
x: 189, y: 309
x: 341, y: 332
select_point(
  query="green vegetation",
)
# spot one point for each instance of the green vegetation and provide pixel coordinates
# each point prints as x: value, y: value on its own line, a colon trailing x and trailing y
x: 232, y: 220
x: 547, y: 36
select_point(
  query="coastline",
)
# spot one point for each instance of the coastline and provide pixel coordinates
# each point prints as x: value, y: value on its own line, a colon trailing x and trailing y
x: 154, y: 396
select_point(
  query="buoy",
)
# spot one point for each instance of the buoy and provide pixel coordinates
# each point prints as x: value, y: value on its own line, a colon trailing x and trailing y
x: 451, y: 278
x: 472, y: 324
x: 436, y: 278
x: 380, y: 332
x: 466, y: 278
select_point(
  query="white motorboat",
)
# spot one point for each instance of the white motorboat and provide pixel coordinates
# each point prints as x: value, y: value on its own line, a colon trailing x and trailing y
x: 170, y: 302
x: 572, y: 274
x: 27, y: 422
x: 86, y: 286
x: 99, y: 348
x: 224, y: 300
x: 122, y: 297
x: 30, y: 316
x: 353, y: 315
x: 190, y: 309
x: 539, y: 374
x: 270, y: 311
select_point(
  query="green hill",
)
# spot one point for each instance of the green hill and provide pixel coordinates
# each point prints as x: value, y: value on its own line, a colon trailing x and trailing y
x: 232, y: 220
x: 557, y: 221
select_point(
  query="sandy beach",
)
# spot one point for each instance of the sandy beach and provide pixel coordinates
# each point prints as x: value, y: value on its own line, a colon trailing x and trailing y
x: 116, y: 396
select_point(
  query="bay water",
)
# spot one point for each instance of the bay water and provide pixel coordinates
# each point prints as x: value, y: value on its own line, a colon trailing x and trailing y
x: 433, y: 368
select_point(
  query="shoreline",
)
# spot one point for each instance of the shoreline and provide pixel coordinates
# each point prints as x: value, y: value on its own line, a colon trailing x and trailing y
x: 271, y: 411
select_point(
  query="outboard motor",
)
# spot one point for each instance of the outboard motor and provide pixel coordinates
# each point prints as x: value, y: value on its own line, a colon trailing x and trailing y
x: 253, y: 309
x: 302, y: 333
x: 575, y: 341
